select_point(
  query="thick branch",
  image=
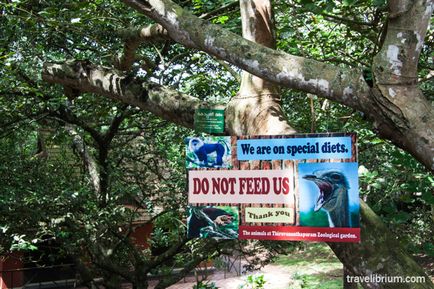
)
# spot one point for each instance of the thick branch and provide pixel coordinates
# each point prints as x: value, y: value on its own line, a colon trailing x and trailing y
x: 161, y: 101
x: 343, y: 85
x: 408, y: 118
x: 133, y: 39
x: 88, y: 160
x: 396, y: 62
x: 346, y: 86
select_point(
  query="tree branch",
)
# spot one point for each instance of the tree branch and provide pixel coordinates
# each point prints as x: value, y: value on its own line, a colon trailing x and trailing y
x: 134, y: 38
x: 396, y: 93
x: 88, y: 160
x: 162, y: 101
x: 346, y: 20
x: 66, y: 116
x: 167, y: 255
x: 346, y: 86
x: 401, y: 124
x: 115, y: 124
x: 367, y: 28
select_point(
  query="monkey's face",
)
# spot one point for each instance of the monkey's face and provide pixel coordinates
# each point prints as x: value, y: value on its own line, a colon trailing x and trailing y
x: 196, y: 144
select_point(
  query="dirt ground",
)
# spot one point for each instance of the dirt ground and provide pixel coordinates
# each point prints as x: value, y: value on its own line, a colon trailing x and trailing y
x: 311, y: 268
x: 314, y: 267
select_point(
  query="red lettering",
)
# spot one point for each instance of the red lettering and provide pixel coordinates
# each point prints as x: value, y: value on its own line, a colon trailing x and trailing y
x: 242, y: 182
x: 200, y: 186
x: 232, y: 182
x: 250, y: 186
x: 276, y: 182
x: 196, y: 186
x: 257, y: 185
x: 205, y: 186
x: 215, y: 186
x: 265, y: 186
x: 285, y: 186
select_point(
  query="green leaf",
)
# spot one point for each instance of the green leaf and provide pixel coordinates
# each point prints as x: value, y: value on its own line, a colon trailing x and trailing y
x: 428, y: 197
x: 349, y: 2
x: 379, y: 3
x: 222, y: 19
x: 401, y: 217
x: 429, y: 249
x: 376, y: 141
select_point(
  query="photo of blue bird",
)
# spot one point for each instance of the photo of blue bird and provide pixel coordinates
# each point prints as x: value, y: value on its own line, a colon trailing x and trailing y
x: 331, y: 195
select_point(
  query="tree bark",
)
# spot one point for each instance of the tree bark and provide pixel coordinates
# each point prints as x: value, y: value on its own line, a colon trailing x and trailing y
x: 89, y: 162
x: 347, y: 284
x: 256, y: 108
x: 407, y: 117
x: 162, y: 101
x: 379, y: 254
x: 133, y: 39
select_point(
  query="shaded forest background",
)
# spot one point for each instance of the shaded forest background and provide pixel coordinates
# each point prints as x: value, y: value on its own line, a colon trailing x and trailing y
x: 69, y: 161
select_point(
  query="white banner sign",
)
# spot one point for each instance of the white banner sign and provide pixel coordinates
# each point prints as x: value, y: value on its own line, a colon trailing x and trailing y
x: 241, y: 186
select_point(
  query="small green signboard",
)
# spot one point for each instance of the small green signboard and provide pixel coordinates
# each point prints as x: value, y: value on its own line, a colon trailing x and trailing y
x: 209, y: 120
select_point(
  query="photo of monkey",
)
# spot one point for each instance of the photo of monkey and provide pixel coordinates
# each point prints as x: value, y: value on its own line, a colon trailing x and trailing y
x: 219, y: 222
x: 208, y: 152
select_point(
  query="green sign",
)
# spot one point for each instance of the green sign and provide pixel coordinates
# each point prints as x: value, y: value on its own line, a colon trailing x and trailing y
x: 209, y: 120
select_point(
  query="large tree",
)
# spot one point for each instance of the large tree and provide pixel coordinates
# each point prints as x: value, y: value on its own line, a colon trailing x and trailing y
x: 391, y: 98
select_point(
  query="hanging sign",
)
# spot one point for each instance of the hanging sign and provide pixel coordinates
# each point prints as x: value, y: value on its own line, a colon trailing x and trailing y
x: 290, y: 187
x: 209, y: 120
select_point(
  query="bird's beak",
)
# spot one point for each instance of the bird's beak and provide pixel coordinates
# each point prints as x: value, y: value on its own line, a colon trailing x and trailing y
x: 309, y: 177
x: 325, y: 189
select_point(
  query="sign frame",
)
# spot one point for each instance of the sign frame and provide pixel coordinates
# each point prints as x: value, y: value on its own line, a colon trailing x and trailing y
x: 316, y: 166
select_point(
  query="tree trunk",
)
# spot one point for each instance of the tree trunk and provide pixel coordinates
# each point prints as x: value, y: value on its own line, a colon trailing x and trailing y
x: 378, y: 249
x: 256, y: 109
x: 406, y: 111
x: 348, y: 283
x: 379, y: 254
